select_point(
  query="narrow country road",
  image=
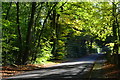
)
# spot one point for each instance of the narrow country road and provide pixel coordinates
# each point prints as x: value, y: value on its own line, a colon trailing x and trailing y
x: 75, y: 69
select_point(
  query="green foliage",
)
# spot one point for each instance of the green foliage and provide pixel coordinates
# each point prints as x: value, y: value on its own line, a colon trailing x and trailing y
x: 59, y: 30
x: 44, y: 56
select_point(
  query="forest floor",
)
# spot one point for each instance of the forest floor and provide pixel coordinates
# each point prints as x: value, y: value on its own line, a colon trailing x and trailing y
x: 105, y: 70
x: 111, y: 70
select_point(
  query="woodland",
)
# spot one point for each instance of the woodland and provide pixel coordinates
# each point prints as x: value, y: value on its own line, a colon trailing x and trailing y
x: 36, y: 32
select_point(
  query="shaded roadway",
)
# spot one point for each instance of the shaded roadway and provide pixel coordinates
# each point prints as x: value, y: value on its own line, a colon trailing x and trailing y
x: 79, y: 68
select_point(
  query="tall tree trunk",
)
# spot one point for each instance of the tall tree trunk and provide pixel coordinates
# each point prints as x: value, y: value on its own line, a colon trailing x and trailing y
x: 118, y: 35
x: 115, y: 34
x: 57, y: 32
x: 36, y: 32
x: 118, y: 24
x: 19, y: 57
x: 114, y: 28
x: 55, y: 38
x: 28, y: 37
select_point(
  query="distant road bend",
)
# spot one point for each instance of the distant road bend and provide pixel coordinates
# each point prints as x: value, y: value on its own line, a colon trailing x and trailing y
x: 74, y: 69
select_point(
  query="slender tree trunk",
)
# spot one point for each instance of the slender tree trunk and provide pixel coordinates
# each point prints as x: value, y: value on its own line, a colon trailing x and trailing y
x: 118, y: 37
x: 19, y: 57
x: 56, y: 27
x: 55, y: 39
x: 36, y: 33
x: 114, y: 29
x: 28, y: 37
x: 115, y: 34
x: 41, y: 32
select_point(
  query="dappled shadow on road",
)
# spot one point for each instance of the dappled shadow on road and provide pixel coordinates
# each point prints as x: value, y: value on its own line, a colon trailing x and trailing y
x: 71, y: 71
x: 66, y: 71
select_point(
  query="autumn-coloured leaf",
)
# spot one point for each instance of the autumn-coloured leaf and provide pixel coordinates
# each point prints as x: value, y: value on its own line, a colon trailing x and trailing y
x: 108, y: 66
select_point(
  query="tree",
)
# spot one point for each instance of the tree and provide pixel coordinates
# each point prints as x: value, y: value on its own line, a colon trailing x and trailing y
x: 28, y: 36
x: 115, y: 27
x: 19, y: 36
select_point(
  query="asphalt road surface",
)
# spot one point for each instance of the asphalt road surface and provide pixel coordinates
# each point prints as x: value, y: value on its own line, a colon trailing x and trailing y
x: 78, y: 68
